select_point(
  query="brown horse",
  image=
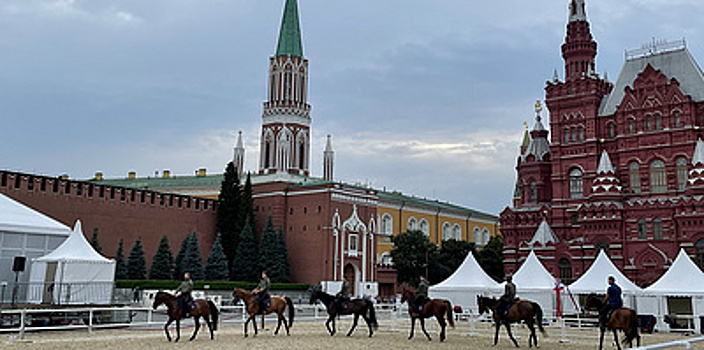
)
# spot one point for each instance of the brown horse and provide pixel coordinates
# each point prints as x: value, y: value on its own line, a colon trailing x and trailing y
x: 356, y: 307
x: 278, y: 305
x: 433, y: 307
x: 523, y: 310
x: 624, y: 319
x: 203, y: 308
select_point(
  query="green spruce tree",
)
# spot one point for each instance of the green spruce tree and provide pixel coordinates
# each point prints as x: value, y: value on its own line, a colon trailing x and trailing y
x: 163, y: 262
x: 120, y: 266
x: 282, y: 254
x: 229, y: 216
x: 491, y: 258
x: 217, y: 268
x: 136, y: 263
x: 247, y: 257
x: 247, y: 205
x: 94, y: 241
x: 268, y: 249
x: 178, y: 262
x: 192, y: 261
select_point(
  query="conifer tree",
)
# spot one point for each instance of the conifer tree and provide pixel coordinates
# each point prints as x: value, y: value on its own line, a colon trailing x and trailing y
x: 120, y: 266
x: 192, y: 261
x: 282, y: 253
x: 136, y: 263
x: 94, y: 241
x: 178, y: 262
x: 217, y: 268
x: 229, y: 217
x: 246, y: 262
x: 163, y: 262
x: 268, y: 249
x: 247, y: 205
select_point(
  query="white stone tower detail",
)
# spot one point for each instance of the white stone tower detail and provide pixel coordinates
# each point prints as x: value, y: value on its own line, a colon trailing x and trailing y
x: 328, y: 160
x: 238, y: 160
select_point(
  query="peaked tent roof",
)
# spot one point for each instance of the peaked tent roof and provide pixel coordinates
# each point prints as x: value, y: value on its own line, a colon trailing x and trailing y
x: 17, y: 217
x: 290, y: 35
x: 533, y: 274
x: 543, y: 235
x: 595, y: 278
x: 468, y: 275
x: 682, y: 278
x: 75, y: 249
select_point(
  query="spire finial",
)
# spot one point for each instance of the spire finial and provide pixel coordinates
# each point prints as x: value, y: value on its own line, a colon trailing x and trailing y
x: 538, y: 110
x: 290, y: 35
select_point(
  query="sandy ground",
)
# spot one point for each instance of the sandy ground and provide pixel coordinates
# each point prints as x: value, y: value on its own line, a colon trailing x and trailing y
x: 312, y: 335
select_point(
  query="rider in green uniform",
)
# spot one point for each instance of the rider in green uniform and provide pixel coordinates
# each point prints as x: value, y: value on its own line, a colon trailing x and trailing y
x: 421, y: 294
x: 183, y: 293
x: 343, y: 295
x: 262, y: 292
x: 508, y: 298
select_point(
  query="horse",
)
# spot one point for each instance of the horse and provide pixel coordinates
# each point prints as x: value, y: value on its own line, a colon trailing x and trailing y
x: 623, y: 319
x: 356, y: 307
x: 278, y: 305
x: 523, y: 310
x: 433, y: 307
x: 205, y: 309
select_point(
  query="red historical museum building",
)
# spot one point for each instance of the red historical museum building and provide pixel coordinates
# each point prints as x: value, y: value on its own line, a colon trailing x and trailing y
x: 622, y: 167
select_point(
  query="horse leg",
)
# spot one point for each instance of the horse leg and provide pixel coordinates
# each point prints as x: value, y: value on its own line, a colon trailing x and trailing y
x: 422, y: 326
x: 327, y: 325
x: 413, y: 325
x: 354, y: 325
x: 166, y: 328
x: 496, y: 335
x: 510, y: 335
x: 210, y: 326
x: 618, y: 345
x: 278, y: 325
x: 197, y: 319
x: 246, y: 322
x: 254, y: 324
x: 178, y: 330
x: 442, y: 323
x: 369, y: 324
x: 532, y: 338
x: 601, y: 337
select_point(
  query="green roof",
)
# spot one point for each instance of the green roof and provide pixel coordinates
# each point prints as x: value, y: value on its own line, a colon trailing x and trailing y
x: 526, y: 139
x: 290, y: 35
x: 160, y: 182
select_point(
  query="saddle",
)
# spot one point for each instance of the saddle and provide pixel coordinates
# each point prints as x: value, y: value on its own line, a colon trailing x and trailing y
x: 264, y: 304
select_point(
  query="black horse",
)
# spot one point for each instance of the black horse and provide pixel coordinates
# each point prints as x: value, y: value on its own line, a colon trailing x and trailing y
x: 356, y: 307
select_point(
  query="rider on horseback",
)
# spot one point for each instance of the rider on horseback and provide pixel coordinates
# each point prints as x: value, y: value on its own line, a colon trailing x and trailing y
x: 612, y: 301
x: 184, y: 294
x: 421, y: 294
x: 507, y: 299
x: 262, y: 292
x: 343, y: 295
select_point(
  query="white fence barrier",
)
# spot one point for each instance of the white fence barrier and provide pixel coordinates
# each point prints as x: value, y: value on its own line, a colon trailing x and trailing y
x: 687, y: 343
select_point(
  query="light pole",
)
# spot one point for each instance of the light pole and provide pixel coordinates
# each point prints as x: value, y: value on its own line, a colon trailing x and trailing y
x: 4, y: 285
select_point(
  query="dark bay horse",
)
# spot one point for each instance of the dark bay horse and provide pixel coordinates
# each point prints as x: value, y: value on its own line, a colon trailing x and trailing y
x: 278, y: 306
x: 523, y: 310
x: 624, y: 319
x: 433, y: 307
x: 356, y: 307
x: 205, y: 309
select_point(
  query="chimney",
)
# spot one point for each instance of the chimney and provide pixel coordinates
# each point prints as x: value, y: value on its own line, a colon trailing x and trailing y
x: 201, y: 172
x: 166, y: 174
x: 99, y: 176
x: 132, y: 175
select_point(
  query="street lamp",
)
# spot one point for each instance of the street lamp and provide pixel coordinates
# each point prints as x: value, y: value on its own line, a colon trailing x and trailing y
x: 4, y: 285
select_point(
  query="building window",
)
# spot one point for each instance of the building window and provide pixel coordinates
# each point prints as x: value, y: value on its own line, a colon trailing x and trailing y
x: 576, y: 190
x: 353, y: 244
x: 412, y: 224
x: 581, y: 134
x: 385, y: 259
x: 446, y: 231
x: 649, y: 123
x: 677, y: 119
x: 699, y: 246
x: 681, y: 165
x: 457, y: 232
x: 657, y: 122
x: 574, y: 135
x: 631, y: 125
x: 612, y: 130
x: 387, y: 225
x: 657, y: 228
x: 567, y: 135
x: 425, y: 227
x: 575, y: 219
x: 634, y: 176
x: 642, y: 230
x: 533, y: 192
x: 486, y: 236
x: 658, y: 181
x: 478, y: 237
x: 564, y: 268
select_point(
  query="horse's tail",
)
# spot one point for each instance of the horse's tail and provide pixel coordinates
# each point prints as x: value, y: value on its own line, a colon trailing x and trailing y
x: 450, y: 317
x: 372, y: 314
x: 213, y: 314
x: 538, y: 316
x: 291, y: 311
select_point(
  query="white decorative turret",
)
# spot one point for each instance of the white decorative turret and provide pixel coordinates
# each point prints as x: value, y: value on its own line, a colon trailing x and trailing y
x: 239, y: 155
x: 606, y: 181
x: 578, y: 12
x: 543, y: 235
x: 328, y: 160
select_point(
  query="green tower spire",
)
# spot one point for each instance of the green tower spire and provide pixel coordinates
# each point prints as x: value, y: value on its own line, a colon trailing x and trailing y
x: 290, y: 35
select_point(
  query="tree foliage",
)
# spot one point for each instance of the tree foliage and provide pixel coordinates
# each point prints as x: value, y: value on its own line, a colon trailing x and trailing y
x: 229, y: 215
x: 193, y: 261
x: 491, y: 258
x: 451, y: 255
x: 413, y: 254
x: 217, y: 268
x: 247, y: 205
x: 282, y: 253
x: 136, y: 263
x: 94, y: 241
x: 163, y: 262
x: 268, y: 259
x: 178, y: 262
x: 246, y: 262
x: 120, y: 266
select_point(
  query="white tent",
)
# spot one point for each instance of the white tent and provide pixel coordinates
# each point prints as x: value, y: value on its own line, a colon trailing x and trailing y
x: 24, y: 232
x: 683, y: 280
x: 595, y: 280
x: 463, y: 286
x: 535, y: 283
x: 74, y: 273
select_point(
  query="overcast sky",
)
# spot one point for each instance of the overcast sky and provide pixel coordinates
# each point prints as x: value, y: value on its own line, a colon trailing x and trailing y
x: 423, y: 96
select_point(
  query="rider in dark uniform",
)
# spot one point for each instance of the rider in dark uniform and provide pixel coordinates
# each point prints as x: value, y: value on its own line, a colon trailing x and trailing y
x: 343, y: 295
x: 508, y: 298
x: 262, y: 292
x: 421, y: 294
x: 184, y: 294
x: 612, y: 301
